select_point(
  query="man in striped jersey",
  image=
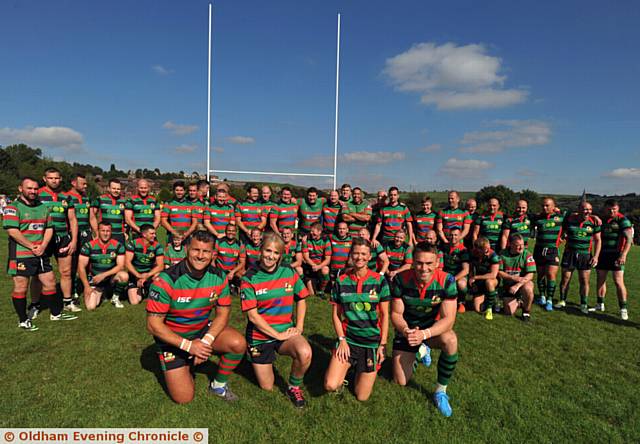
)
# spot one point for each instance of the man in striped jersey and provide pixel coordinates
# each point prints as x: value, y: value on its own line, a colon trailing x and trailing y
x: 178, y: 309
x: 270, y: 293
x: 340, y: 247
x: 252, y: 248
x: 616, y: 243
x: 472, y: 208
x: 219, y: 214
x: 456, y: 262
x: 489, y: 224
x: 518, y: 223
x: 360, y: 299
x: 176, y: 215
x: 30, y: 229
x: 331, y: 212
x: 483, y: 282
x: 284, y: 214
x: 144, y: 260
x: 65, y: 235
x: 292, y: 254
x: 80, y: 206
x: 198, y: 205
x: 101, y: 268
x: 381, y: 202
x: 356, y: 213
x: 548, y: 227
x: 393, y: 217
x: 109, y: 207
x: 379, y: 260
x: 141, y: 208
x: 424, y: 221
x: 582, y: 233
x: 452, y: 216
x: 419, y: 296
x: 230, y: 255
x: 345, y: 193
x: 249, y: 214
x: 316, y: 256
x: 400, y: 254
x: 517, y: 268
x: 310, y: 210
x: 267, y: 203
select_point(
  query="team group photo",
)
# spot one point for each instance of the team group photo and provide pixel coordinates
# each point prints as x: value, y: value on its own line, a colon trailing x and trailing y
x: 479, y: 288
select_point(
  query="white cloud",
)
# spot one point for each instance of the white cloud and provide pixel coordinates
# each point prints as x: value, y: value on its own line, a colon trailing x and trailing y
x: 179, y: 129
x: 161, y: 70
x: 513, y: 134
x: 184, y: 149
x: 218, y: 149
x: 377, y: 157
x: 241, y: 140
x: 623, y: 173
x: 465, y: 168
x: 60, y: 137
x: 430, y: 148
x: 316, y: 162
x: 452, y: 77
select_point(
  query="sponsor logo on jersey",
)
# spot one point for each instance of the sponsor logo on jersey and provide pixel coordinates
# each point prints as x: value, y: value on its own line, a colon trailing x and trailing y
x: 261, y: 291
x: 288, y: 287
x: 154, y: 295
x: 36, y: 226
x: 436, y: 300
x: 213, y: 297
x: 373, y: 295
x: 168, y: 356
x: 21, y: 266
x: 10, y: 211
x: 112, y: 254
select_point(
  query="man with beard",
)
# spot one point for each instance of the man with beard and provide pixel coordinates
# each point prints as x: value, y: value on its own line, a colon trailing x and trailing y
x: 176, y: 215
x: 310, y: 210
x: 357, y: 213
x: 141, y: 208
x: 109, y: 207
x: 331, y: 212
x: 219, y: 214
x: 144, y: 260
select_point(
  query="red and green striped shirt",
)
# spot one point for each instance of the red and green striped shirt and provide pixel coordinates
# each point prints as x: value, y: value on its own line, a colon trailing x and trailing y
x: 330, y: 215
x: 219, y: 216
x: 309, y: 214
x: 253, y: 254
x: 228, y: 253
x: 144, y: 256
x: 290, y: 251
x: 144, y: 209
x: 362, y: 207
x: 173, y: 256
x: 453, y: 218
x: 111, y: 210
x: 340, y: 248
x: 58, y: 204
x: 250, y: 213
x: 81, y: 206
x: 102, y: 256
x: 423, y: 223
x: 178, y: 214
x: 394, y: 218
x: 32, y: 220
x: 318, y: 249
x: 285, y: 215
x: 398, y: 256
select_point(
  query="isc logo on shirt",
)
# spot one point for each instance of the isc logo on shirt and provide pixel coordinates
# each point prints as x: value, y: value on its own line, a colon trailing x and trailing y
x: 184, y: 299
x: 261, y: 291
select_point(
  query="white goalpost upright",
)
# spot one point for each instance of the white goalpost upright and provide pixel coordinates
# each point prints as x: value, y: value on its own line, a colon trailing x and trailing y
x: 211, y: 170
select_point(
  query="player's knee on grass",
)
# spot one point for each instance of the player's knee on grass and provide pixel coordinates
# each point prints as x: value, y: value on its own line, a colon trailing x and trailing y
x: 449, y: 342
x: 477, y: 303
x: 303, y: 352
x: 325, y: 271
x: 462, y: 284
x: 121, y: 276
x: 236, y: 343
x: 134, y: 296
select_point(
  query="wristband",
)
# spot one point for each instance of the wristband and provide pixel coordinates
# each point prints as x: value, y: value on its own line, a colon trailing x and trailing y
x: 341, y: 338
x: 182, y: 344
x: 424, y: 335
x: 188, y: 346
x: 428, y: 331
x: 213, y: 338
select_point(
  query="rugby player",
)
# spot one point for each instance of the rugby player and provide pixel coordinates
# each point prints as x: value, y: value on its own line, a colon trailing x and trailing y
x: 424, y: 221
x: 356, y: 213
x: 419, y: 296
x: 471, y: 206
x: 379, y: 260
x: 431, y: 238
x: 548, y: 226
x: 452, y: 216
x: 252, y: 248
x: 249, y: 214
x: 400, y: 254
x: 80, y: 206
x: 230, y: 199
x: 180, y: 302
x: 483, y: 283
x: 65, y: 235
x: 310, y: 210
x: 230, y: 255
x: 269, y: 294
x: 456, y: 262
x: 30, y: 228
x: 617, y: 239
x: 582, y: 233
x: 345, y: 193
x: 292, y: 255
x: 316, y: 257
x: 360, y: 299
x: 109, y: 207
x: 284, y: 214
x: 219, y: 214
x: 517, y: 268
x: 518, y: 223
x: 340, y: 247
x: 144, y: 260
x: 101, y: 268
x: 141, y: 208
x: 174, y: 253
x: 267, y: 203
x: 198, y: 205
x: 203, y: 190
x: 176, y: 215
x: 394, y: 217
x: 489, y: 224
x: 381, y: 202
x: 331, y: 212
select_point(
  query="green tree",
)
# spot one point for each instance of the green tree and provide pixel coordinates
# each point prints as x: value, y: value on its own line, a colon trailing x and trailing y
x: 504, y: 194
x: 532, y: 198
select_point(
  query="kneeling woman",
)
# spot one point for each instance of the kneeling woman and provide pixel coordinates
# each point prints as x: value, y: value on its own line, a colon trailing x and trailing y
x: 269, y: 293
x: 360, y: 299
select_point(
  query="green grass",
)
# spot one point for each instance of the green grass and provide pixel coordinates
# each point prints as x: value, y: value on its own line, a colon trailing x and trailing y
x: 563, y: 377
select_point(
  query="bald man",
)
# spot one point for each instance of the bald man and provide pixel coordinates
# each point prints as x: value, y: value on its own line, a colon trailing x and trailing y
x: 141, y: 209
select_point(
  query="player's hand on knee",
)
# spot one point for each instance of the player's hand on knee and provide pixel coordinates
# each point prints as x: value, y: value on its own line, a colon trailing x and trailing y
x: 343, y: 352
x: 200, y: 349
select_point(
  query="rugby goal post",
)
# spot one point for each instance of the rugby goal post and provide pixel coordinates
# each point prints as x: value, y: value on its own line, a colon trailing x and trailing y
x: 272, y: 173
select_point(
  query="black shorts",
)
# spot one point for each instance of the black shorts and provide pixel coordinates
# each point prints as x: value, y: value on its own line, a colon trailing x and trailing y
x: 172, y: 357
x: 545, y: 256
x: 572, y: 260
x: 362, y: 359
x: 133, y: 283
x: 309, y: 274
x: 84, y: 236
x: 29, y: 267
x: 104, y: 286
x: 478, y: 288
x: 264, y: 353
x: 400, y: 343
x: 607, y: 261
x: 58, y: 242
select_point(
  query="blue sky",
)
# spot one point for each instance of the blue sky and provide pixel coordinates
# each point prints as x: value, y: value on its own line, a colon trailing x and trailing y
x: 433, y: 95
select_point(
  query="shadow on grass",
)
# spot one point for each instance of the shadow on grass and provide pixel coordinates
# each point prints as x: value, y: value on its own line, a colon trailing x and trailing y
x: 574, y: 310
x: 314, y: 379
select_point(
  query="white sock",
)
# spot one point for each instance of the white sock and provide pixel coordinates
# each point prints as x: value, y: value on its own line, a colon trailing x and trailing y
x: 441, y: 388
x: 216, y: 385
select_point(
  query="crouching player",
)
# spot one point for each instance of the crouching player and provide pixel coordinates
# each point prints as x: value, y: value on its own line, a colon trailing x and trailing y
x: 419, y: 295
x: 101, y: 268
x: 360, y: 299
x: 456, y: 262
x: 144, y: 260
x: 180, y: 302
x: 485, y: 264
x: 269, y: 294
x: 517, y: 268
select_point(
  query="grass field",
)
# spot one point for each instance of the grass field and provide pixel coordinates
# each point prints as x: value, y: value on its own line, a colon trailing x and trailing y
x: 562, y: 377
